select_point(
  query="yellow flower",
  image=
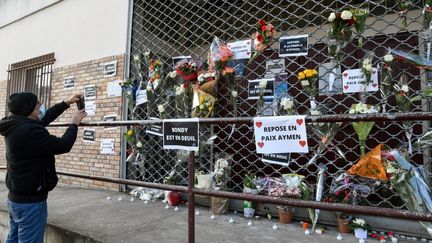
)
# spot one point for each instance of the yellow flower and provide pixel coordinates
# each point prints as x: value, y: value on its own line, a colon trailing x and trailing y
x: 129, y: 132
x: 158, y: 63
x: 315, y: 72
x: 301, y: 75
x: 202, y: 99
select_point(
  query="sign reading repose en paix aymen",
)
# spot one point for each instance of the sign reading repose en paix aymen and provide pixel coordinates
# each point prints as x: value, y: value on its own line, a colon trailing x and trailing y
x: 280, y: 134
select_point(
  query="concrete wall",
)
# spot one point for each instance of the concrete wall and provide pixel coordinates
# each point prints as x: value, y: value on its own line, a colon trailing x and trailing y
x: 13, y: 10
x: 76, y: 30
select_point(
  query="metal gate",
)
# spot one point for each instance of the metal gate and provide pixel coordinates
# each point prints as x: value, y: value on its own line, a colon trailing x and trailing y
x: 170, y: 28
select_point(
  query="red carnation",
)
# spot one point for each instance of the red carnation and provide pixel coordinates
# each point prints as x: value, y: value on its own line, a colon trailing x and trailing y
x: 262, y: 22
x: 260, y: 38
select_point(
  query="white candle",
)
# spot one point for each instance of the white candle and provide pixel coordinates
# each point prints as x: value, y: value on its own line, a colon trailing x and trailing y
x: 339, y: 237
x: 231, y: 220
x: 307, y: 232
x: 197, y: 212
x: 176, y: 208
x: 275, y: 227
x: 212, y: 216
x: 250, y: 223
x: 108, y: 198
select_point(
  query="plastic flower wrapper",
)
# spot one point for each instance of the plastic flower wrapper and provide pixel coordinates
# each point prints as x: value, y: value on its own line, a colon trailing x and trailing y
x: 367, y: 69
x: 387, y: 78
x: 409, y: 182
x: 146, y: 194
x: 187, y: 71
x: 203, y: 180
x: 183, y: 99
x: 229, y: 75
x: 427, y: 13
x: 413, y: 59
x: 319, y: 194
x: 340, y: 33
x: 220, y: 55
x: 404, y: 103
x: 263, y: 38
x: 221, y: 175
x: 425, y: 141
x: 404, y: 6
x: 360, y: 22
x: 208, y: 82
x: 203, y: 104
x: 362, y: 128
x: 262, y: 88
x: 370, y: 165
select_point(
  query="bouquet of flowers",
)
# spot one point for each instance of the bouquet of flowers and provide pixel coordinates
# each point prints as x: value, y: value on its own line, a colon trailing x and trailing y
x: 360, y: 16
x: 286, y: 106
x: 309, y: 81
x: 340, y: 33
x: 362, y: 128
x: 387, y: 80
x: 208, y: 82
x: 221, y: 176
x: 187, y: 71
x: 229, y: 75
x: 183, y: 99
x: 367, y: 70
x: 220, y: 55
x: 203, y: 104
x: 404, y: 6
x: 155, y: 69
x: 263, y: 38
x: 359, y: 223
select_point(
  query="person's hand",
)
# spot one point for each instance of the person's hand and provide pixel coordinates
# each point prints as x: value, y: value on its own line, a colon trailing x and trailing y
x: 73, y: 99
x: 79, y: 116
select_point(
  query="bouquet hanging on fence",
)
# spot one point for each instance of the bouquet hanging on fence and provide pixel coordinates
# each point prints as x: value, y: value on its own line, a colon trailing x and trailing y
x: 404, y: 6
x: 362, y: 128
x: 309, y: 82
x: 229, y: 75
x: 155, y: 70
x: 387, y: 79
x: 203, y: 104
x: 208, y: 82
x: 367, y: 70
x: 340, y: 32
x: 188, y: 71
x: 263, y: 38
x: 220, y: 56
x: 360, y: 16
x: 183, y: 99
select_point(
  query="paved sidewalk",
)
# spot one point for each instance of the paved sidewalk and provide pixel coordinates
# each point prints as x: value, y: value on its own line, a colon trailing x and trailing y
x: 89, y: 213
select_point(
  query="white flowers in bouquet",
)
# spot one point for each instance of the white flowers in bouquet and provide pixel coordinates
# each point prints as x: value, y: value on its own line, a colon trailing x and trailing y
x: 367, y: 64
x: 149, y: 88
x: 147, y: 53
x: 346, y: 15
x: 332, y: 17
x: 173, y: 74
x: 287, y: 103
x: 234, y: 93
x: 179, y: 90
x: 404, y: 88
x: 359, y: 222
x: 161, y: 108
x: 220, y: 166
x: 263, y: 84
x: 305, y: 83
x: 388, y: 58
x: 362, y: 108
x: 202, y: 78
x: 139, y: 144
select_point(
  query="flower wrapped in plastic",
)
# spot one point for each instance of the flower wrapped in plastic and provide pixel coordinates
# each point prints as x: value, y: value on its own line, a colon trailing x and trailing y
x: 221, y: 176
x: 387, y: 79
x: 155, y: 69
x: 208, y: 82
x: 263, y: 38
x: 229, y: 75
x: 362, y: 128
x: 367, y: 70
x: 220, y: 55
x: 360, y: 16
x: 309, y: 81
x: 188, y: 71
x: 340, y: 33
x: 286, y: 106
x: 183, y: 99
x: 203, y: 104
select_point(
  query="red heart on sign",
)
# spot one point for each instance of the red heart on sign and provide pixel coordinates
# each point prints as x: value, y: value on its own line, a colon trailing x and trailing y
x: 374, y: 85
x: 248, y: 53
x: 346, y: 87
x: 302, y: 143
x: 345, y: 74
x: 260, y: 144
x: 299, y: 121
x: 258, y: 124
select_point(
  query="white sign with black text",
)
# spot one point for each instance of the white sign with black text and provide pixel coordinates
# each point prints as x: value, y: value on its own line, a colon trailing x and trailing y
x: 155, y: 129
x: 90, y: 107
x: 274, y: 67
x: 277, y: 159
x: 240, y: 49
x: 114, y: 89
x: 110, y: 69
x: 107, y: 146
x: 110, y: 118
x: 354, y: 81
x: 141, y: 97
x: 181, y: 134
x: 280, y: 134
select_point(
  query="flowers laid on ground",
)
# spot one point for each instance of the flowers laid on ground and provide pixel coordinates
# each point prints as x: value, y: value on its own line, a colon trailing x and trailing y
x: 308, y: 79
x: 359, y: 223
x: 221, y: 175
x: 187, y: 70
x: 263, y: 38
x: 360, y: 16
x: 340, y: 33
x: 362, y: 128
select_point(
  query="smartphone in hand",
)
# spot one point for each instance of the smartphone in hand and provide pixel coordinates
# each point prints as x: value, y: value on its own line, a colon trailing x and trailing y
x: 80, y: 103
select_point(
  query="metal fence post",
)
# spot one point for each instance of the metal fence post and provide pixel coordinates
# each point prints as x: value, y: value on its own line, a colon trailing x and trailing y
x: 191, y: 197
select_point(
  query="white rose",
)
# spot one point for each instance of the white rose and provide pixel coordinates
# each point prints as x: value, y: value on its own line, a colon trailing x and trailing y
x: 366, y: 62
x: 346, y: 15
x: 405, y: 88
x: 173, y: 74
x: 263, y: 84
x: 149, y: 89
x: 332, y: 17
x: 136, y: 57
x: 179, y: 90
x: 161, y: 108
x: 305, y: 83
x: 139, y: 144
x: 201, y: 78
x: 234, y: 93
x: 368, y: 68
x: 201, y: 107
x: 147, y: 53
x: 388, y: 58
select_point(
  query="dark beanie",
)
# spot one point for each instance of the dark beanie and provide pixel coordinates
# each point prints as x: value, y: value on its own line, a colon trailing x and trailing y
x: 22, y: 103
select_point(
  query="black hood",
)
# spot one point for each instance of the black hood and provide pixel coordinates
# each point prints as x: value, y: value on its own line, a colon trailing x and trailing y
x: 9, y: 123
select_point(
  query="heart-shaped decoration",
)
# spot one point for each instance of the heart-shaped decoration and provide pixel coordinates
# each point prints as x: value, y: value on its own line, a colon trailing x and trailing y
x: 260, y: 144
x: 299, y: 121
x: 248, y: 53
x: 346, y: 87
x: 373, y: 71
x: 302, y: 143
x: 248, y: 42
x: 345, y: 74
x: 258, y: 124
x: 374, y: 85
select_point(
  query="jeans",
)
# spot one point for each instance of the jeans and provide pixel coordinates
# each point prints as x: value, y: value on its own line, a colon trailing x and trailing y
x: 27, y: 222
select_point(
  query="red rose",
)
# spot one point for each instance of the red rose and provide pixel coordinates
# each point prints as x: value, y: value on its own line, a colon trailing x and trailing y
x: 262, y: 22
x: 390, y: 234
x: 151, y: 80
x: 174, y: 198
x: 373, y: 235
x: 186, y: 85
x: 351, y: 22
x: 260, y: 38
x: 263, y: 28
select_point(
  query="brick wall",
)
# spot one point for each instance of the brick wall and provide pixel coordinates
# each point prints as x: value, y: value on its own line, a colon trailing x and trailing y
x: 85, y: 157
x: 3, y: 86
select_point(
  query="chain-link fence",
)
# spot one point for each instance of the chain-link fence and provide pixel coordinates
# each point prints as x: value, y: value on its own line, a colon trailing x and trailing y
x: 170, y: 29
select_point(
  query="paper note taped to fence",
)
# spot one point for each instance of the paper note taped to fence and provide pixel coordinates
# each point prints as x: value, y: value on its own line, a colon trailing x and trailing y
x: 280, y: 134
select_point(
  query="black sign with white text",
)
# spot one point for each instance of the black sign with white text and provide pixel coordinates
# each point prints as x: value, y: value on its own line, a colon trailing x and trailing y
x: 290, y: 46
x: 254, y: 88
x: 181, y: 134
x: 89, y: 135
x: 69, y: 82
x: 280, y: 159
x: 155, y: 129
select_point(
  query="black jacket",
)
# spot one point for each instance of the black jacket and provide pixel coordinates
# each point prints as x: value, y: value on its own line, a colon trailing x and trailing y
x: 30, y: 151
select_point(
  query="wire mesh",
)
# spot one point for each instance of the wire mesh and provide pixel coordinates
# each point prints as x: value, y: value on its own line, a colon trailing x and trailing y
x: 187, y: 28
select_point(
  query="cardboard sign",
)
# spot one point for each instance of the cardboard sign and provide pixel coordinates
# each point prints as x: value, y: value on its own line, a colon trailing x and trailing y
x: 353, y: 81
x: 110, y: 118
x: 241, y: 49
x: 141, y: 97
x: 90, y: 92
x: 114, y: 89
x: 330, y: 80
x: 280, y: 134
x: 69, y: 82
x: 278, y: 159
x: 90, y: 108
x: 181, y: 134
x: 254, y: 89
x: 110, y: 69
x: 290, y: 46
x: 107, y: 146
x: 274, y: 67
x: 156, y: 129
x: 89, y: 135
